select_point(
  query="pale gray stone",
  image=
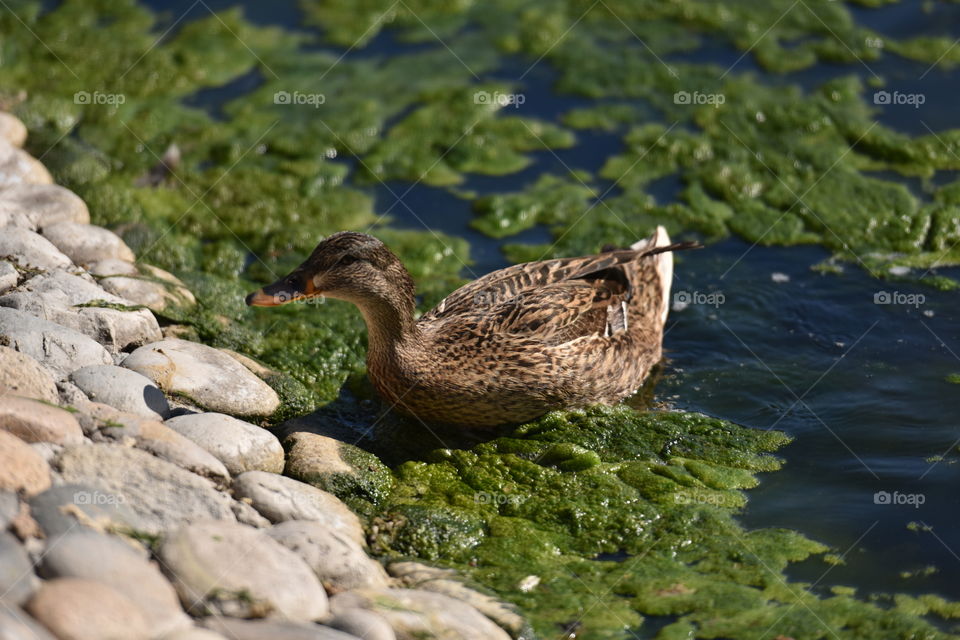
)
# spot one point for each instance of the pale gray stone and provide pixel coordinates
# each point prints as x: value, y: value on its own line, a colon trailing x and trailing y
x: 414, y: 613
x: 59, y: 349
x: 78, y: 303
x: 232, y: 569
x: 17, y: 625
x: 12, y: 129
x: 74, y: 506
x: 363, y: 624
x: 86, y: 244
x: 340, y: 562
x: 35, y: 206
x: 208, y: 377
x: 269, y: 629
x: 34, y: 421
x: 9, y: 276
x: 280, y: 499
x: 17, y: 581
x: 239, y: 445
x: 111, y: 561
x: 162, y: 494
x: 19, y: 167
x: 122, y: 389
x: 144, y: 284
x: 30, y: 249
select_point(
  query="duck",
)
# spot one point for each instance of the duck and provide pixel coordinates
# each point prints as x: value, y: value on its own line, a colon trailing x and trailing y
x: 507, y: 347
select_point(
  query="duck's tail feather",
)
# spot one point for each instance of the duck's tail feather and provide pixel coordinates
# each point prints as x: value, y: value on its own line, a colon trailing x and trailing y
x: 659, y: 245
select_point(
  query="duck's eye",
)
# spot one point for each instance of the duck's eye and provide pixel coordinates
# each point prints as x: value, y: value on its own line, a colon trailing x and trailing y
x: 348, y: 259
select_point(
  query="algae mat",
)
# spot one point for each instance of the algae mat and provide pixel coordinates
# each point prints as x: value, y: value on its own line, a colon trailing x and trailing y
x: 602, y: 523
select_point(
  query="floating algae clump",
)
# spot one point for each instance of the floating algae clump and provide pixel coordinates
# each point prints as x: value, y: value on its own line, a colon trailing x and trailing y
x: 559, y: 497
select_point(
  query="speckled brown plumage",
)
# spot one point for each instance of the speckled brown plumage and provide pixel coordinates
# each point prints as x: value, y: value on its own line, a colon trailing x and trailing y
x: 508, y: 346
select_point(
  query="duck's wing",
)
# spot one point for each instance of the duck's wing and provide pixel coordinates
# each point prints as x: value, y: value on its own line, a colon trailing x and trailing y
x: 526, y: 280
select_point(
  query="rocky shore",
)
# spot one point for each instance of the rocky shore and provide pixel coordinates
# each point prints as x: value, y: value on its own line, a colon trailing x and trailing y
x: 138, y: 499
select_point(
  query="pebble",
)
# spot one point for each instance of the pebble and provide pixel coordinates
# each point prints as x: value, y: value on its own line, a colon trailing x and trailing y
x: 153, y: 436
x: 340, y: 562
x: 9, y: 276
x: 414, y: 613
x: 9, y: 508
x: 239, y: 445
x: 19, y: 167
x: 57, y: 348
x: 34, y: 421
x: 195, y: 633
x: 21, y: 468
x: 12, y: 129
x: 60, y: 297
x: 35, y: 206
x: 268, y: 629
x: 363, y: 624
x: 224, y: 568
x: 86, y: 244
x: 160, y: 493
x: 206, y: 376
x: 30, y: 249
x: 779, y: 278
x: 17, y: 625
x: 17, y: 582
x: 77, y: 609
x: 144, y: 284
x: 23, y: 376
x: 279, y: 499
x: 66, y: 507
x: 112, y: 561
x: 122, y: 389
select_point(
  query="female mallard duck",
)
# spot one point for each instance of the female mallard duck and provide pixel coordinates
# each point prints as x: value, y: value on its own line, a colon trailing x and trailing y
x: 507, y: 347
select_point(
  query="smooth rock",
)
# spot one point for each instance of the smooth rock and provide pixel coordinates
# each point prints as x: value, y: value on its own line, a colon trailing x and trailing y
x: 57, y: 348
x: 111, y: 561
x: 9, y: 508
x: 23, y: 376
x: 87, y: 243
x: 206, y: 376
x: 75, y: 609
x: 21, y: 468
x: 235, y: 570
x: 413, y: 613
x: 12, y: 129
x: 9, y: 276
x: 17, y: 581
x: 272, y: 630
x: 70, y: 507
x: 280, y: 499
x: 30, y: 249
x: 160, y: 493
x: 122, y: 389
x: 62, y: 298
x: 34, y: 421
x: 112, y: 425
x: 144, y: 284
x: 239, y: 445
x: 335, y: 466
x: 364, y: 624
x: 19, y: 167
x: 17, y: 625
x: 35, y: 206
x: 340, y: 562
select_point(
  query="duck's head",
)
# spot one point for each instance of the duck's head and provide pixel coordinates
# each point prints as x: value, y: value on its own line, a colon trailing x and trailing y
x: 348, y: 266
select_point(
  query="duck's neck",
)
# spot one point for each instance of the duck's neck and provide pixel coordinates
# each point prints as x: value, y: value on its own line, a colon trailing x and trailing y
x: 391, y: 331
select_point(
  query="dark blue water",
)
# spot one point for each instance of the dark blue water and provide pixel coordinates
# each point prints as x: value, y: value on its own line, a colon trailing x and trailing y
x: 852, y: 367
